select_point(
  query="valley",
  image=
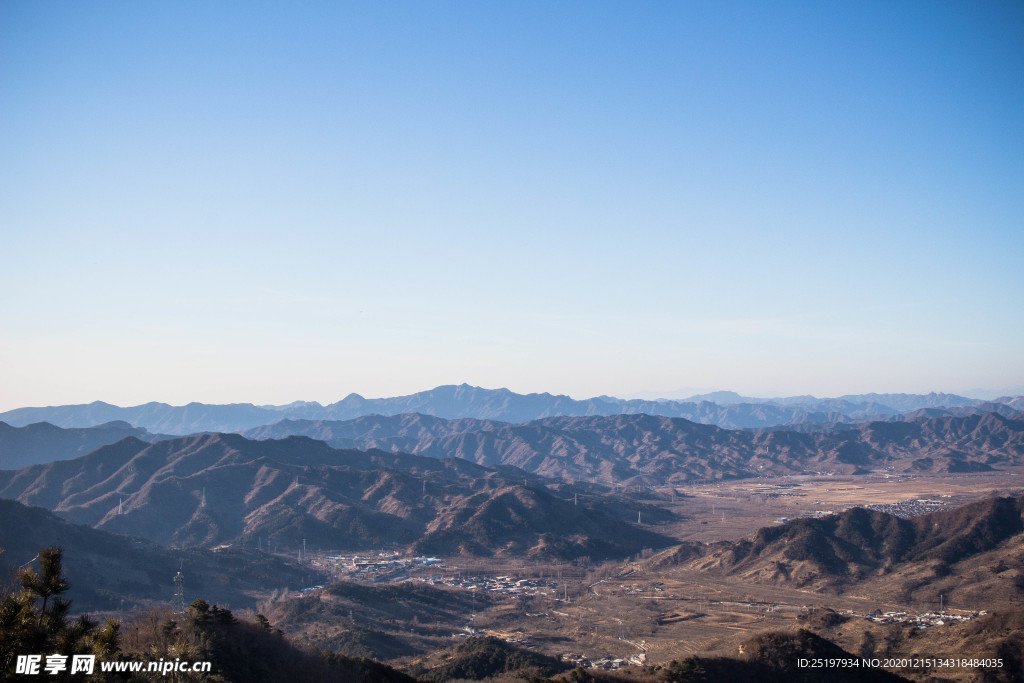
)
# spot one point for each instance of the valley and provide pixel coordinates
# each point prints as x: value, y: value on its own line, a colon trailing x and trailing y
x: 650, y: 609
x: 732, y: 510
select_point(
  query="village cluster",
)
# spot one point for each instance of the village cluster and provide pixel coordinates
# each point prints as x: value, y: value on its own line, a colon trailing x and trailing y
x: 505, y: 585
x: 607, y: 663
x: 382, y: 566
x: 927, y: 620
x: 911, y: 508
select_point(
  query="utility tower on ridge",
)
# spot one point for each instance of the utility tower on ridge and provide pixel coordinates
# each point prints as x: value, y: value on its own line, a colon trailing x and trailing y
x: 179, y: 591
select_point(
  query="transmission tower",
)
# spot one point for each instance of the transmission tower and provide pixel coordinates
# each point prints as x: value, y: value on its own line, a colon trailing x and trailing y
x: 179, y: 591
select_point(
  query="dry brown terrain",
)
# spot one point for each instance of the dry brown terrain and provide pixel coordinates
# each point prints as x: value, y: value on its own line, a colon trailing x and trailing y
x: 735, y: 509
x: 642, y: 608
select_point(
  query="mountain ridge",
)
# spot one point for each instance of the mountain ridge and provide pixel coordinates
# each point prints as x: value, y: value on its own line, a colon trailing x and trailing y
x: 659, y: 449
x: 974, y: 554
x: 619, y: 448
x: 465, y: 401
x: 44, y: 442
x: 205, y: 490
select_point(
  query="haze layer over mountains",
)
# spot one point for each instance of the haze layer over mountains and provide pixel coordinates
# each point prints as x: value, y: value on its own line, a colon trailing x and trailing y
x: 723, y: 409
x: 604, y: 440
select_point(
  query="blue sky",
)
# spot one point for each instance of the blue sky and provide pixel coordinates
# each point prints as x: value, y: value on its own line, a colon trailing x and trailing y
x: 276, y: 201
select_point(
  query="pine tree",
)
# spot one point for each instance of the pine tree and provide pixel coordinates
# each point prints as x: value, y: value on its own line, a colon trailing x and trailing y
x: 34, y: 619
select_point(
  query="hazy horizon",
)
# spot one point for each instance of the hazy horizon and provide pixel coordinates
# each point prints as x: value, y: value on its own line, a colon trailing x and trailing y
x: 264, y: 203
x: 676, y: 395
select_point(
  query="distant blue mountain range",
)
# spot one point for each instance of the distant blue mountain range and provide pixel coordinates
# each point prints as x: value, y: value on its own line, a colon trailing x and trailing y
x: 724, y: 409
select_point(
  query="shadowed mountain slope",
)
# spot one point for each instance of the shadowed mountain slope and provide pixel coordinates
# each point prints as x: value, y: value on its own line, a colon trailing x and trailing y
x: 483, y: 657
x: 109, y: 571
x: 224, y: 488
x: 370, y: 621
